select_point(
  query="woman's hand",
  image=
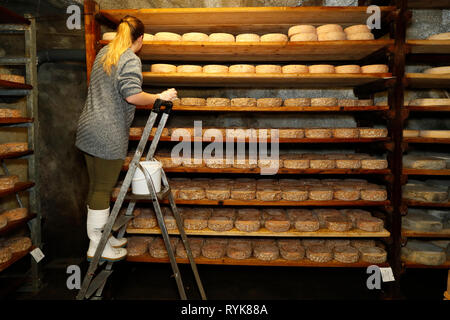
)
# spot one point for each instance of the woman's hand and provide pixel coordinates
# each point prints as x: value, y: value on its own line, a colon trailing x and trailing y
x: 168, y: 95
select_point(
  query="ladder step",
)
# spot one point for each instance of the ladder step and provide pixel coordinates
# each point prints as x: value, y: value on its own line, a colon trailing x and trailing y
x: 121, y: 221
x: 160, y: 195
x: 98, y: 281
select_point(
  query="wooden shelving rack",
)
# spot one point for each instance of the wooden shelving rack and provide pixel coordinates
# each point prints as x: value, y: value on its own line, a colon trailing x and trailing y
x: 12, y: 23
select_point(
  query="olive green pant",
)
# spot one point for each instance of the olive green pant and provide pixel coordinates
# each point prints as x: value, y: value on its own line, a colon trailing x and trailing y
x: 103, y: 175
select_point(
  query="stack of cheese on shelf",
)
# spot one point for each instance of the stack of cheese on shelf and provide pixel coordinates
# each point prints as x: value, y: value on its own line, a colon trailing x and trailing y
x: 12, y: 147
x: 8, y: 182
x: 316, y: 250
x: 11, y: 246
x: 268, y: 69
x: 425, y: 162
x: 10, y: 216
x: 10, y: 113
x: 432, y: 253
x: 12, y: 78
x: 427, y: 220
x: 425, y: 192
x: 274, y: 220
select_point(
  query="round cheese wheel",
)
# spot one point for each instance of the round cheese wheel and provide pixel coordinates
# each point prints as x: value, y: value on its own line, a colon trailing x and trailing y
x: 302, y: 28
x: 321, y: 68
x: 348, y: 102
x: 435, y: 134
x: 319, y: 253
x: 193, y: 102
x: 163, y: 68
x: 346, y: 254
x: 167, y: 36
x: 221, y: 37
x: 304, y: 37
x: 331, y: 36
x: 5, y: 254
x: 297, y: 102
x: 320, y: 102
x: 218, y: 102
x: 375, y: 68
x: 351, y: 68
x: 360, y: 36
x: 345, y: 132
x: 430, y: 102
x: 269, y: 102
x: 267, y: 68
x: 148, y: 37
x: 329, y: 28
x: 241, y: 68
x: 373, y: 254
x: 194, y: 36
x: 438, y: 70
x: 3, y: 222
x: 15, y: 214
x: 274, y: 37
x: 410, y: 133
x: 373, y: 132
x: 189, y: 69
x: 247, y: 37
x: 359, y: 28
x: 295, y: 68
x: 215, y: 68
x: 365, y: 102
x: 108, y: 36
x: 440, y: 36
x: 243, y: 102
x: 318, y: 133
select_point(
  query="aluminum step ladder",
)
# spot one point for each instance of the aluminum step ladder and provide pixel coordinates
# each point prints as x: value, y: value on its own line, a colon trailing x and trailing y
x: 92, y: 287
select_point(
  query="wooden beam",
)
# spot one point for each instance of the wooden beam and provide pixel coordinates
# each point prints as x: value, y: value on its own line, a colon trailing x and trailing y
x: 92, y: 34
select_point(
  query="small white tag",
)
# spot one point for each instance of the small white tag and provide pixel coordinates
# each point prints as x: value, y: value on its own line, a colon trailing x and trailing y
x: 37, y: 254
x: 387, y: 275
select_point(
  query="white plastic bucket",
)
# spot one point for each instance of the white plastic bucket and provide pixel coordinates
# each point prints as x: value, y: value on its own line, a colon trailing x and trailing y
x: 139, y: 185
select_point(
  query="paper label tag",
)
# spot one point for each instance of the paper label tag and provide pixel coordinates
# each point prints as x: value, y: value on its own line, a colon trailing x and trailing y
x: 387, y: 275
x: 37, y: 254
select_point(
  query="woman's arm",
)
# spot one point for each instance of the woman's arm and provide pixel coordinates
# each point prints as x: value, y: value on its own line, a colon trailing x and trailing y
x: 144, y: 99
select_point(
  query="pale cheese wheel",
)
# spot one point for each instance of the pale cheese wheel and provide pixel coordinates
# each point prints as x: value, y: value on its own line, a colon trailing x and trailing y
x: 243, y: 102
x: 148, y: 37
x: 351, y: 68
x: 295, y: 68
x: 439, y: 134
x: 167, y: 36
x: 331, y: 36
x: 360, y: 36
x: 247, y: 37
x: 438, y: 70
x: 241, y: 68
x: 109, y: 36
x: 189, y: 69
x: 267, y: 68
x: 193, y: 102
x: 329, y: 28
x: 274, y: 37
x: 195, y: 36
x: 304, y: 37
x: 321, y: 68
x: 302, y: 28
x: 12, y: 78
x: 318, y: 133
x: 218, y: 102
x: 373, y: 132
x: 163, y: 68
x: 365, y: 102
x: 375, y: 68
x: 359, y: 28
x: 297, y: 102
x: 269, y: 102
x: 215, y: 68
x: 348, y: 102
x: 321, y: 102
x: 410, y: 133
x: 440, y: 36
x: 346, y: 133
x: 430, y: 102
x: 5, y: 255
x: 221, y: 37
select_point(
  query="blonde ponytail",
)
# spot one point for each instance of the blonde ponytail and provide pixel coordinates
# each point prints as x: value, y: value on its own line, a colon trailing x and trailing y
x: 129, y: 29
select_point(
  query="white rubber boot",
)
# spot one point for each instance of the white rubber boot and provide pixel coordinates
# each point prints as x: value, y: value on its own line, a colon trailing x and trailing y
x: 114, y: 242
x: 96, y: 221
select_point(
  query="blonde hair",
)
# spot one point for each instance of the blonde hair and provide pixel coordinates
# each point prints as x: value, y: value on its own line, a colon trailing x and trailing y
x: 128, y: 31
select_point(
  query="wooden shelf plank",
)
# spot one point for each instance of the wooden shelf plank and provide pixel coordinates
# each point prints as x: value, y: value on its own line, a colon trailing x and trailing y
x: 443, y: 172
x: 429, y: 46
x: 429, y: 108
x: 426, y: 140
x: 302, y: 140
x: 414, y: 203
x: 14, y: 85
x: 255, y: 262
x: 263, y: 232
x: 16, y: 257
x: 428, y: 81
x: 306, y: 80
x: 414, y: 265
x: 422, y: 234
x: 13, y: 155
x: 260, y: 51
x: 16, y: 224
x: 280, y: 203
x: 280, y: 109
x: 241, y: 19
x: 15, y: 120
x: 280, y: 170
x: 19, y: 187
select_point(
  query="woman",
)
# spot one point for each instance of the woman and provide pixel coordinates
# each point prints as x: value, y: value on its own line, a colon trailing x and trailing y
x: 103, y: 129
